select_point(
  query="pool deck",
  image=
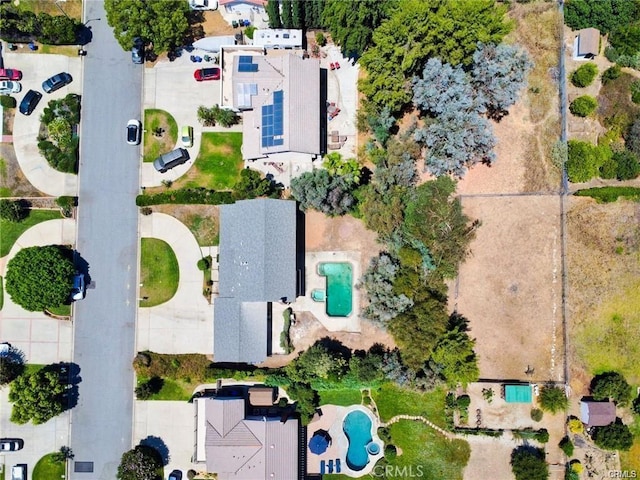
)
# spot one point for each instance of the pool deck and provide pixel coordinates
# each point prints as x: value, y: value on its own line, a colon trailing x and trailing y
x: 313, y: 280
x: 331, y: 420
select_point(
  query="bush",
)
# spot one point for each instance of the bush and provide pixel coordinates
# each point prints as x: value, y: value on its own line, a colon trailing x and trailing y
x: 536, y: 414
x: 390, y: 452
x: 145, y: 390
x: 584, y: 75
x: 248, y: 32
x: 609, y: 194
x: 186, y: 196
x: 575, y: 425
x: 542, y: 435
x: 583, y: 106
x: 626, y: 39
x: 635, y: 406
x: 321, y: 39
x: 584, y: 160
x: 7, y: 102
x: 566, y: 445
x: 204, y: 263
x: 627, y: 165
x: 14, y: 210
x: 635, y: 91
x: 611, y: 73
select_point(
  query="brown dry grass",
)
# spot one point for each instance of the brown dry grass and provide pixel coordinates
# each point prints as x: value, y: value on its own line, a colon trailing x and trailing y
x: 13, y: 183
x: 71, y: 8
x: 202, y: 220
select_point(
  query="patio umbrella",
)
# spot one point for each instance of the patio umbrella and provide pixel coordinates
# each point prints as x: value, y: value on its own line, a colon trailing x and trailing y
x: 319, y: 442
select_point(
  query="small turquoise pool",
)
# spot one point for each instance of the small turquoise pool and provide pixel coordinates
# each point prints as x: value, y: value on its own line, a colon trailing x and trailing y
x: 357, y: 428
x: 339, y: 289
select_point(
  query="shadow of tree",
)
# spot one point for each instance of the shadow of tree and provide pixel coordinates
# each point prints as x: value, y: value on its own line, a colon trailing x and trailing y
x: 159, y: 446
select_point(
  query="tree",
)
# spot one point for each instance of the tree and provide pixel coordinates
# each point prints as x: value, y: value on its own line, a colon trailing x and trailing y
x: 566, y: 445
x: 140, y: 463
x: 317, y: 362
x: 285, y: 13
x: 13, y: 210
x: 65, y: 453
x: 553, y: 399
x: 331, y: 195
x: 162, y: 24
x: 635, y: 406
x: 498, y: 75
x: 377, y: 281
x: 11, y: 365
x: 60, y: 132
x: 457, y: 141
x: 252, y: 184
x: 529, y: 463
x: 605, y: 15
x: 632, y: 139
x: 417, y: 31
x: 611, y: 385
x: 611, y: 73
x: 57, y: 29
x: 352, y: 23
x: 616, y: 436
x: 37, y: 397
x: 40, y: 277
x: 626, y: 39
x: 584, y: 75
x: 584, y: 160
x: 456, y: 359
x: 297, y: 14
x: 306, y: 400
x: 583, y: 106
x: 350, y: 169
x: 273, y: 12
x: 443, y: 89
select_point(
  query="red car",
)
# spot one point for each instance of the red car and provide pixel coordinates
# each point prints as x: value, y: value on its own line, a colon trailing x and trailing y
x: 207, y: 74
x: 10, y: 74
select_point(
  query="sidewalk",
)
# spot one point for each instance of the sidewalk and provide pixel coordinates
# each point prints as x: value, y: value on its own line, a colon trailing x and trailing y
x: 36, y: 69
x: 184, y: 323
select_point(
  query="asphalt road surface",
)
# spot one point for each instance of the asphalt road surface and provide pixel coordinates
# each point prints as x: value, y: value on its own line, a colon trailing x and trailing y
x: 104, y: 330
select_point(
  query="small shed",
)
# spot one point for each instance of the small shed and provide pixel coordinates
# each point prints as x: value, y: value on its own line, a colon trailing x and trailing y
x: 520, y: 393
x: 597, y: 414
x: 587, y: 44
x: 261, y: 396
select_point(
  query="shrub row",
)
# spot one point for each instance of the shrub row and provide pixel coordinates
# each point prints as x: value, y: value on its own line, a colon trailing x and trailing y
x: 609, y: 194
x: 586, y: 161
x: 186, y: 196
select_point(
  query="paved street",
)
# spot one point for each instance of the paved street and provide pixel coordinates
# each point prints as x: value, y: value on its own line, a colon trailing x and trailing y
x: 104, y: 337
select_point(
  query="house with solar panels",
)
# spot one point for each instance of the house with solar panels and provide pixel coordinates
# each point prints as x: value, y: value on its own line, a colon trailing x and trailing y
x: 281, y: 98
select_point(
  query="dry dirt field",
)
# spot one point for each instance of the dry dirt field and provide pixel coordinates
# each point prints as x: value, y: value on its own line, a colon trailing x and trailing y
x: 510, y: 286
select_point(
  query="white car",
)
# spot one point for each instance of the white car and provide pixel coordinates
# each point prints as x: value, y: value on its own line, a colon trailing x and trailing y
x: 77, y: 291
x: 9, y: 86
x: 134, y: 131
x: 203, y: 4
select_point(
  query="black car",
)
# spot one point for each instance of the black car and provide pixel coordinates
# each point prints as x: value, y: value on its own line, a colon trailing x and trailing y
x: 175, y: 475
x: 56, y: 82
x: 29, y: 102
x: 137, y: 51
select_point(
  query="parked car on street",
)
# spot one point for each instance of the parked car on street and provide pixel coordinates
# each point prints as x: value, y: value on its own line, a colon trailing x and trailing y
x: 77, y: 291
x: 19, y: 472
x: 29, y: 102
x: 9, y: 86
x: 203, y: 74
x: 56, y: 82
x: 187, y: 136
x: 175, y: 475
x: 134, y: 131
x: 137, y: 51
x: 10, y: 74
x: 10, y: 444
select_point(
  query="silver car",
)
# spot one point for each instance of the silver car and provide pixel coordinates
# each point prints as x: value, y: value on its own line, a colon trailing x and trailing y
x: 9, y: 86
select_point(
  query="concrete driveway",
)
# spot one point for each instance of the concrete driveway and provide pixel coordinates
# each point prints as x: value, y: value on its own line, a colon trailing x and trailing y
x: 184, y: 324
x: 35, y: 69
x: 170, y: 86
x: 171, y: 424
x: 41, y: 338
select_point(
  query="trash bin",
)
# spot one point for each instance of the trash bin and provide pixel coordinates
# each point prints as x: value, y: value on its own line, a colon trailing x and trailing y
x: 82, y: 52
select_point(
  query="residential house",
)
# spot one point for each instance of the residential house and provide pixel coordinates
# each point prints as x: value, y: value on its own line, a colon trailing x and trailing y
x: 283, y: 99
x: 258, y: 265
x: 243, y: 7
x: 237, y: 446
x: 597, y: 414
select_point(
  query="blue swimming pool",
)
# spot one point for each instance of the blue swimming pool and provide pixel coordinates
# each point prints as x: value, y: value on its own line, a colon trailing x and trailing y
x: 357, y: 427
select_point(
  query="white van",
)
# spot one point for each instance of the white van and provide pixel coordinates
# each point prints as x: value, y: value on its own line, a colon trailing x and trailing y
x: 19, y: 472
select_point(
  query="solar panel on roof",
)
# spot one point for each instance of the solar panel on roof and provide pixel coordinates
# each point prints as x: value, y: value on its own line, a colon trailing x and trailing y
x: 278, y: 96
x: 278, y: 142
x: 245, y: 59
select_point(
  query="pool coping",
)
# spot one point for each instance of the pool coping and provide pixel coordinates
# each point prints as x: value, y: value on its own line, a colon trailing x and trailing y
x: 340, y: 442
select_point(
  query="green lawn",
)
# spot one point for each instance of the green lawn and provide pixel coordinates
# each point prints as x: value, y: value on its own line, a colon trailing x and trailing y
x: 174, y: 390
x: 154, y: 146
x: 340, y: 397
x: 11, y: 230
x: 47, y: 469
x: 393, y: 400
x: 424, y: 450
x: 62, y: 310
x: 218, y: 164
x: 610, y: 339
x: 159, y: 272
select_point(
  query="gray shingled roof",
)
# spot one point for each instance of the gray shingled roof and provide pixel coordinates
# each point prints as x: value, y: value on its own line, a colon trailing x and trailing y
x: 258, y: 250
x: 257, y: 266
x: 597, y: 414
